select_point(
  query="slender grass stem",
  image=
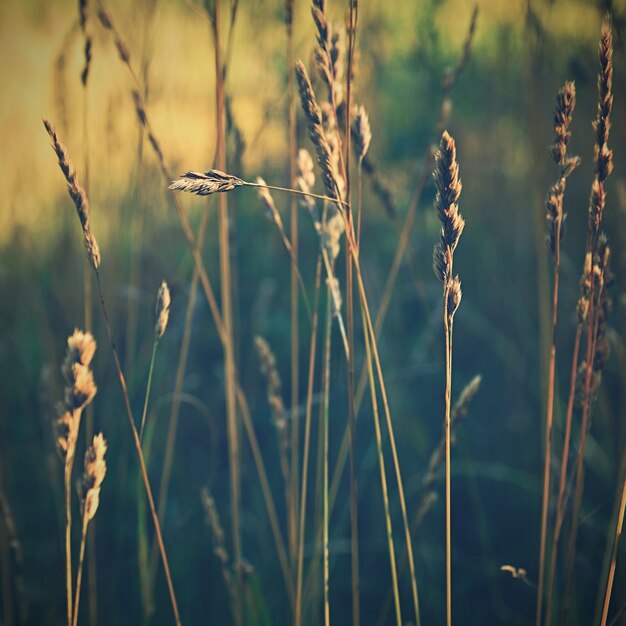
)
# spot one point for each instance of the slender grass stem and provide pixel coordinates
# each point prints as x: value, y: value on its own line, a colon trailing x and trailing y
x: 297, y: 191
x: 592, y: 317
x: 560, y: 508
x: 295, y: 277
x: 618, y: 533
x: 168, y: 457
x: 227, y: 316
x: 142, y: 465
x: 448, y: 334
x: 155, y: 343
x: 79, y: 575
x: 267, y: 494
x: 307, y: 439
x: 383, y: 477
x: 548, y: 440
x: 69, y: 463
x: 325, y: 400
x: 392, y: 440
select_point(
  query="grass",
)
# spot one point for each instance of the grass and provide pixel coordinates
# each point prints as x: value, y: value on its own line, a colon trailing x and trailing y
x: 314, y: 544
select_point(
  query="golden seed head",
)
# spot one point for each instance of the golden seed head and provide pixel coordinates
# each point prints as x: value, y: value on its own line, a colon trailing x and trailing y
x: 95, y: 471
x: 162, y: 310
x: 81, y: 347
x: 82, y: 389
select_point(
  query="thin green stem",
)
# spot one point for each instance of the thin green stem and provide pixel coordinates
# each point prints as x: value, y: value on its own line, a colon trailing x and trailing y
x: 155, y: 343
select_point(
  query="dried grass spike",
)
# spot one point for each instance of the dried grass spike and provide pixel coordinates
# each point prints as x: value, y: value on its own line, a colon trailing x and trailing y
x: 77, y: 194
x: 566, y: 102
x: 314, y: 121
x: 212, y: 181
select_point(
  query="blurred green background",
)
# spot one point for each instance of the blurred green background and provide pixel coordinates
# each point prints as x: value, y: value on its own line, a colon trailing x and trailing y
x: 501, y: 118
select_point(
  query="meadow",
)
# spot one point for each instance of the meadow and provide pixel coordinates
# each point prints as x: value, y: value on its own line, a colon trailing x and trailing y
x: 233, y: 390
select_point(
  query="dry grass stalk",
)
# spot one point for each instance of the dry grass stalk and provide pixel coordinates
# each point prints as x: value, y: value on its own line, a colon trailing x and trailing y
x: 78, y: 195
x: 618, y: 534
x: 82, y: 206
x: 230, y: 370
x: 89, y: 494
x: 267, y: 362
x: 457, y: 413
x: 295, y: 278
x: 307, y: 439
x: 273, y: 215
x: 429, y: 496
x: 210, y: 296
x: 555, y: 215
x: 452, y: 223
x: 219, y: 540
x: 313, y: 116
x: 589, y: 301
x: 80, y: 390
x: 161, y: 313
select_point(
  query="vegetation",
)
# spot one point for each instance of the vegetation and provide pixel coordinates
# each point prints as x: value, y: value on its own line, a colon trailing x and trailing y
x: 301, y: 449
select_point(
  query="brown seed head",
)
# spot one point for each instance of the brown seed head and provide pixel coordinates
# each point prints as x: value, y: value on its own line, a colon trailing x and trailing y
x: 448, y: 187
x: 565, y: 103
x: 314, y: 121
x: 77, y: 194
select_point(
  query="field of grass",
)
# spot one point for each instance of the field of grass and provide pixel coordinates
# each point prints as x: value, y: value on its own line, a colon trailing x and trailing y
x: 293, y: 429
